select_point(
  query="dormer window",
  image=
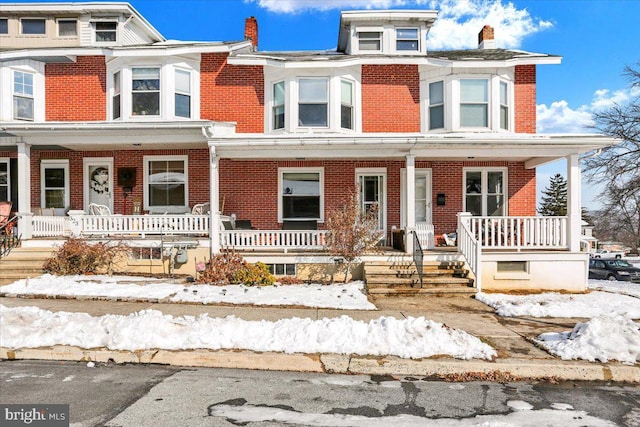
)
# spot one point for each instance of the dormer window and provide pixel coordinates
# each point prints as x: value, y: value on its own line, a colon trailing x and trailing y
x: 370, y: 40
x: 33, y: 26
x: 106, y: 31
x: 474, y: 103
x: 67, y: 27
x: 407, y: 39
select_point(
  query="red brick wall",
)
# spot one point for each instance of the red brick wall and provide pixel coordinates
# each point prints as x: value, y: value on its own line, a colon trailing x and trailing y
x: 232, y: 93
x: 390, y: 98
x: 198, y: 164
x: 76, y: 91
x: 525, y: 98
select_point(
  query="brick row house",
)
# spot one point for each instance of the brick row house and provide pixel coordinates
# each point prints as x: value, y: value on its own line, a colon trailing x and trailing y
x: 98, y: 109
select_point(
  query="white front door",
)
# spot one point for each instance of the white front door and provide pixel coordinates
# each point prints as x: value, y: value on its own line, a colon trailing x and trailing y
x: 373, y: 191
x: 422, y: 199
x: 98, y: 182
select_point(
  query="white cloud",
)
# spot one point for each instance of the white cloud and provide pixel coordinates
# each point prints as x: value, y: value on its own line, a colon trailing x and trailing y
x: 458, y: 23
x: 559, y: 117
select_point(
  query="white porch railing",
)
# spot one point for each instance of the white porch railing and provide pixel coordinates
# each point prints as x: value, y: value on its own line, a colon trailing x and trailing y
x: 425, y: 234
x: 50, y: 226
x: 273, y: 239
x: 522, y: 232
x: 470, y: 247
x: 143, y: 224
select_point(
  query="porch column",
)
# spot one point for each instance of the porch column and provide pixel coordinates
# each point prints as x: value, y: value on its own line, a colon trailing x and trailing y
x: 214, y: 196
x: 410, y: 208
x: 24, y: 184
x: 574, y: 210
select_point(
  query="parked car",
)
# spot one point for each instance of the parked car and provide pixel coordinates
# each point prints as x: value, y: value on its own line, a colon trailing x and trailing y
x: 603, y: 253
x: 613, y: 269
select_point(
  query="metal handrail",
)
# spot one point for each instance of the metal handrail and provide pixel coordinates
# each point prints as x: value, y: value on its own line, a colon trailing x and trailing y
x: 9, y: 240
x: 418, y: 256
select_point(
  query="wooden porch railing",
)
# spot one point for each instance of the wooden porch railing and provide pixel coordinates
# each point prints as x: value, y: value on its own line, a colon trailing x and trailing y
x: 144, y: 224
x: 50, y: 226
x: 521, y: 232
x: 470, y: 247
x: 273, y: 239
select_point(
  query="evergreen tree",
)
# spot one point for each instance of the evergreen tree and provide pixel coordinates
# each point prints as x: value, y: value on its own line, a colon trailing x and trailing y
x: 554, y: 197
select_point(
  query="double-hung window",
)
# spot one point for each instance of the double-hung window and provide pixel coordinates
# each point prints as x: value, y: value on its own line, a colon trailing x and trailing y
x: 346, y: 104
x: 407, y: 39
x: 278, y: 108
x: 313, y: 100
x: 370, y: 40
x: 485, y: 192
x: 67, y: 27
x: 106, y: 31
x: 166, y: 182
x: 474, y: 103
x: 183, y: 94
x: 22, y: 95
x: 301, y: 193
x: 55, y: 184
x: 145, y: 92
x: 436, y: 105
x: 504, y: 106
x: 33, y: 26
x: 4, y: 180
x: 115, y: 100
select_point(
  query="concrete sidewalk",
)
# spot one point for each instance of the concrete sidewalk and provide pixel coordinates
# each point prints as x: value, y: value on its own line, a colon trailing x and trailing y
x: 517, y: 356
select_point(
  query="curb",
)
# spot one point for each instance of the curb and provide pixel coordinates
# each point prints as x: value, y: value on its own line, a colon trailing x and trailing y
x: 461, y: 370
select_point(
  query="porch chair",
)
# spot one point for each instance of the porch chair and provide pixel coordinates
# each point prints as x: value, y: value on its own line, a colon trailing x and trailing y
x: 5, y: 217
x: 200, y: 209
x: 450, y: 239
x: 101, y: 210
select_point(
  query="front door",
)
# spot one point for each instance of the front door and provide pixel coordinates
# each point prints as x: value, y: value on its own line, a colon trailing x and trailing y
x: 422, y: 207
x: 372, y: 185
x: 98, y: 182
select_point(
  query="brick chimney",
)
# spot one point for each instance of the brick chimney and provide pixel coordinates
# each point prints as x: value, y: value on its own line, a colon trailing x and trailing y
x: 485, y: 38
x: 251, y: 31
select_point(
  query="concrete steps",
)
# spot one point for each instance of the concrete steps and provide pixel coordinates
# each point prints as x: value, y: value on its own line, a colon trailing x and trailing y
x: 21, y: 263
x: 393, y: 278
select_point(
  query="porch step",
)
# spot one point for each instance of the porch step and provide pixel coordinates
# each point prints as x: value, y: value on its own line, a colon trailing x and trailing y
x: 22, y: 263
x: 401, y: 278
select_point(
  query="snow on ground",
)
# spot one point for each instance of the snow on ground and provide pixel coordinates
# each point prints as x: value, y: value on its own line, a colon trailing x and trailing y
x: 601, y: 339
x: 348, y: 296
x: 31, y: 327
x: 552, y: 304
x: 619, y: 287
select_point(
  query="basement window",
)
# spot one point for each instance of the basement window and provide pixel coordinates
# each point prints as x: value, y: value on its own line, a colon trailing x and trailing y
x: 141, y: 254
x: 282, y: 269
x: 512, y: 267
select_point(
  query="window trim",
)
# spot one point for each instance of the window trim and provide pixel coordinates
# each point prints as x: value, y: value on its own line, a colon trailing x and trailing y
x: 274, y: 105
x: 370, y: 31
x: 483, y: 193
x: 55, y: 164
x: 176, y: 92
x: 58, y: 20
x: 502, y: 83
x: 117, y: 93
x: 33, y: 18
x: 417, y: 39
x: 7, y: 161
x: 327, y: 80
x: 145, y: 181
x: 487, y: 103
x: 158, y: 91
x: 96, y: 31
x: 442, y: 104
x: 303, y: 169
x: 351, y: 106
x: 15, y: 95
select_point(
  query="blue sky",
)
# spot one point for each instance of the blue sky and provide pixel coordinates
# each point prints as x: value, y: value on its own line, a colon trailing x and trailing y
x: 596, y: 39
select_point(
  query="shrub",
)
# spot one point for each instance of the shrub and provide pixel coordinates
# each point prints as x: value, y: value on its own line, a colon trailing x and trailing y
x: 77, y: 256
x: 290, y: 280
x: 229, y: 267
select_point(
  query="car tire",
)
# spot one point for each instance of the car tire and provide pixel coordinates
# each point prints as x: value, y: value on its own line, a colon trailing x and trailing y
x: 618, y: 256
x: 611, y: 277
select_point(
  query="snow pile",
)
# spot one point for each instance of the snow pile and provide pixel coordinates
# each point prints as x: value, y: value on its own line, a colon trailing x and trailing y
x: 603, y: 338
x: 562, y: 305
x: 348, y: 296
x: 31, y: 327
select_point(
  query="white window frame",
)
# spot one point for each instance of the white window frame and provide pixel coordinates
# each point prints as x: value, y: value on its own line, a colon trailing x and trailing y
x: 145, y: 182
x: 281, y: 172
x: 382, y: 172
x: 94, y: 27
x: 327, y: 81
x: 33, y: 18
x: 369, y: 31
x: 177, y: 70
x: 487, y: 103
x: 66, y: 20
x: 141, y: 91
x: 275, y: 105
x: 506, y: 106
x: 442, y: 104
x: 427, y: 173
x: 485, y: 182
x: 117, y: 93
x: 24, y: 95
x: 399, y: 39
x: 55, y: 164
x: 351, y: 105
x: 7, y: 161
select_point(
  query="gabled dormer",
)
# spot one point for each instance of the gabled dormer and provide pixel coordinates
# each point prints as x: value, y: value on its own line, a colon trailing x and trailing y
x: 385, y: 32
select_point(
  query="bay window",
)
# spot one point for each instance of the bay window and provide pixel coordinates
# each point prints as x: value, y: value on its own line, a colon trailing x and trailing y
x: 485, y: 192
x: 165, y: 180
x: 346, y: 104
x: 115, y: 99
x: 313, y: 100
x: 278, y: 109
x: 145, y: 92
x: 504, y: 106
x: 22, y: 95
x: 436, y: 105
x: 301, y: 194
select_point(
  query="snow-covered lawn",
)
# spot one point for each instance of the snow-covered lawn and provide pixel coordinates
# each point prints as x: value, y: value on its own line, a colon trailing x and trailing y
x: 624, y: 288
x: 28, y: 327
x: 348, y: 296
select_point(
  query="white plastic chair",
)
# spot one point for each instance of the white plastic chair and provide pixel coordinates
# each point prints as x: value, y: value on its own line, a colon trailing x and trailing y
x: 200, y: 209
x: 101, y: 210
